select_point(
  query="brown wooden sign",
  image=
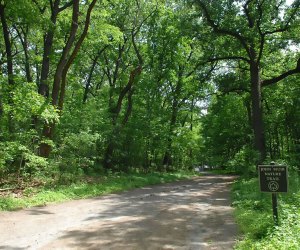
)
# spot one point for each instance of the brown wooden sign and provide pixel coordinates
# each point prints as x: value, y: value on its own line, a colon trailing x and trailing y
x: 273, y: 178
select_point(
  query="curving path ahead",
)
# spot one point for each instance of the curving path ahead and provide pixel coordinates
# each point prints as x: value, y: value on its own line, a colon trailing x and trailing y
x: 191, y: 214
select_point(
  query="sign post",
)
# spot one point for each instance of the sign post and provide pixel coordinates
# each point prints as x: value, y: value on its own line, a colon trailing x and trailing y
x: 273, y: 179
x: 275, y: 208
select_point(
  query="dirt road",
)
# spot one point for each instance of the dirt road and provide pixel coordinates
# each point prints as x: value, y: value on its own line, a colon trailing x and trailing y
x: 193, y: 214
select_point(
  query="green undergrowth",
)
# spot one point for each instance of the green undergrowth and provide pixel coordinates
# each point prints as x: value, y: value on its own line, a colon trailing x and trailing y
x: 89, y: 187
x: 222, y: 172
x: 255, y: 218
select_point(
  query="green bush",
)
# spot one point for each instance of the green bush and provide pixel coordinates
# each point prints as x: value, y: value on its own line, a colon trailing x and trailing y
x: 244, y: 162
x: 17, y: 158
x: 77, y: 153
x: 254, y: 215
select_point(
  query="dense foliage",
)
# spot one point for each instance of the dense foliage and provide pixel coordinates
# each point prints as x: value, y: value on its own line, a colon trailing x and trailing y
x: 149, y: 85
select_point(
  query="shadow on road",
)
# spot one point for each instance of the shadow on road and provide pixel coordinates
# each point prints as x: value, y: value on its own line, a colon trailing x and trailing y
x: 194, y: 214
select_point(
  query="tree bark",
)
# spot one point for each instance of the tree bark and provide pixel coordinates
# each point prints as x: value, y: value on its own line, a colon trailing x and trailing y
x: 9, y: 65
x: 48, y: 43
x: 8, y: 48
x: 88, y: 82
x: 127, y: 90
x: 23, y: 39
x: 48, y: 129
x: 257, y: 111
x: 167, y: 160
x: 66, y: 60
x: 76, y: 48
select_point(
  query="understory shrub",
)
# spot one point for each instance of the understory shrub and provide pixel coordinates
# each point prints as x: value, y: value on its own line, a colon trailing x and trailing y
x: 20, y: 159
x: 77, y: 153
x: 244, y: 161
x: 254, y: 215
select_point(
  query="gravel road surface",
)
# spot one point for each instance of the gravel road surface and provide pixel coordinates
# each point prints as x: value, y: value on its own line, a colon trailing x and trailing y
x: 191, y: 214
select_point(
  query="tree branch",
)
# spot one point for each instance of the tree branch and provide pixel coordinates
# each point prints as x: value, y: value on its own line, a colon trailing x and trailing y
x: 236, y: 90
x: 247, y: 13
x: 282, y: 76
x: 223, y: 31
x: 144, y: 20
x: 286, y: 26
x: 137, y: 52
x: 262, y: 35
x: 118, y: 61
x: 42, y: 10
x: 133, y: 74
x: 64, y: 57
x: 69, y: 4
x: 75, y: 52
x: 129, y: 107
x: 51, y: 5
x: 216, y: 59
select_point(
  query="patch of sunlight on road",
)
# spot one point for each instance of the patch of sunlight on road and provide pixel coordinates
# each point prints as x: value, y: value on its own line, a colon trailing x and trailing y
x: 126, y: 218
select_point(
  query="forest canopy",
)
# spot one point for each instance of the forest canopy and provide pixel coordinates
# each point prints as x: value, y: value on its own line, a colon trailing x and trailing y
x: 147, y: 85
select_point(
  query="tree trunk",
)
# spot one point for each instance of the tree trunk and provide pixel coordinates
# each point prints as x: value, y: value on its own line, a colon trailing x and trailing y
x: 115, y: 112
x: 48, y: 43
x: 167, y: 161
x: 77, y: 46
x: 42, y: 81
x: 108, y: 156
x: 89, y: 80
x: 1, y: 107
x: 45, y: 148
x: 22, y: 33
x: 127, y: 90
x: 257, y: 112
x: 9, y: 64
x: 48, y: 129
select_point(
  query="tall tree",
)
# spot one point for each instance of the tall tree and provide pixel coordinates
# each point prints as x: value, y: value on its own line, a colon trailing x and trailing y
x: 67, y: 57
x: 250, y: 31
x: 129, y: 49
x: 9, y: 59
x: 55, y: 9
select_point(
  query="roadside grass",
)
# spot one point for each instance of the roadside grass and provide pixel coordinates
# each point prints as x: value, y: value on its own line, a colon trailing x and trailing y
x: 253, y: 212
x: 85, y: 188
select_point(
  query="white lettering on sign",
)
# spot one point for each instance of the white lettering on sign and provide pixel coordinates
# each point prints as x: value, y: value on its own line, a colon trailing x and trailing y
x: 273, y: 179
x: 278, y: 169
x: 273, y: 174
x: 265, y: 169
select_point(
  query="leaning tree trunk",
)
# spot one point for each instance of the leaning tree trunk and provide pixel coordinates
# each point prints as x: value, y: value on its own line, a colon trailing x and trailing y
x: 48, y: 44
x: 48, y: 130
x: 127, y: 90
